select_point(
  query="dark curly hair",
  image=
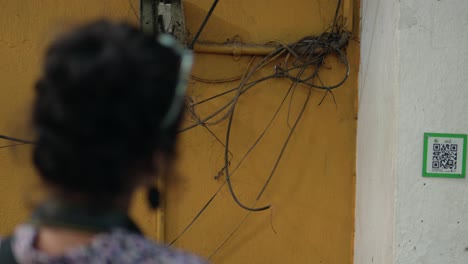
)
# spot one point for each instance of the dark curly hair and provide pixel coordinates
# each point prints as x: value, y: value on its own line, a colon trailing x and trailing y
x: 104, y: 90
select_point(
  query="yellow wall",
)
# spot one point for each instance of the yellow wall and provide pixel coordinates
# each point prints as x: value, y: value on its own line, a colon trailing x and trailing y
x: 25, y: 29
x: 312, y: 195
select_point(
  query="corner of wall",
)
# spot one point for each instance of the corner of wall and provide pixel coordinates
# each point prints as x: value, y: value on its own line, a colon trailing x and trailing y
x: 377, y: 133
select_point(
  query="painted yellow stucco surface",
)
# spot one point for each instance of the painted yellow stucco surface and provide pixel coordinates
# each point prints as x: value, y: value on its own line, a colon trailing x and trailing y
x: 312, y: 192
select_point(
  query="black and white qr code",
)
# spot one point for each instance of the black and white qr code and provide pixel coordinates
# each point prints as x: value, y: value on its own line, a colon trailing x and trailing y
x: 444, y: 156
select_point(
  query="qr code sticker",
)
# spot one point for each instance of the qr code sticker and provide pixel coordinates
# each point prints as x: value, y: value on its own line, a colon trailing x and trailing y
x: 444, y: 157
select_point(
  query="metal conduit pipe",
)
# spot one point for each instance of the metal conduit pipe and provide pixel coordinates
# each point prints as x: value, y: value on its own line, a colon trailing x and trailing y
x: 237, y: 49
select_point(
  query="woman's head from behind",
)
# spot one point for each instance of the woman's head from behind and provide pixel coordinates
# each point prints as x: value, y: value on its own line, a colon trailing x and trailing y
x: 100, y: 102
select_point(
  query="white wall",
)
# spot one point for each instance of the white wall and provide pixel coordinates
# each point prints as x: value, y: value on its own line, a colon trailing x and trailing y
x: 414, y: 79
x: 431, y: 213
x: 378, y: 93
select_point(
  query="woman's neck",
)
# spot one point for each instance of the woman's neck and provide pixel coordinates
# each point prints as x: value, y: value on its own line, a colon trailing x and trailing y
x: 57, y: 240
x: 120, y: 203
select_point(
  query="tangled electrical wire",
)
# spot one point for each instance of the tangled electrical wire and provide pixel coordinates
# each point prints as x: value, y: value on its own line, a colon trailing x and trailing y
x: 302, y: 63
x: 19, y: 140
x: 307, y: 53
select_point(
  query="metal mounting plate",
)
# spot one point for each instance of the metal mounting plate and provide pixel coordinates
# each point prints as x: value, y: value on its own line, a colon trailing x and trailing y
x: 163, y: 16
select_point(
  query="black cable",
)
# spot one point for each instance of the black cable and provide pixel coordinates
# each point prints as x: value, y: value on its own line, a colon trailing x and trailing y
x: 203, y: 24
x: 228, y: 177
x: 201, y: 211
x: 12, y: 145
x: 247, y: 87
x: 267, y: 59
x: 266, y: 184
x: 194, y: 115
x: 285, y: 144
x: 233, y: 102
x: 298, y: 80
x: 134, y: 10
x: 326, y: 93
x: 268, y: 180
x: 228, y: 134
x: 243, y: 87
x: 24, y: 141
x: 294, y: 88
x: 224, y: 107
x: 335, y: 20
x: 230, y: 235
x: 263, y: 132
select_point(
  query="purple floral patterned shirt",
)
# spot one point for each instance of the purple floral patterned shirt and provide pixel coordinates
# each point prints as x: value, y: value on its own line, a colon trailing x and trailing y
x: 118, y: 246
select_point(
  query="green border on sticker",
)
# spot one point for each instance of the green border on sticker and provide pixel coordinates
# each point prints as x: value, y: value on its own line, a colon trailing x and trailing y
x: 443, y: 135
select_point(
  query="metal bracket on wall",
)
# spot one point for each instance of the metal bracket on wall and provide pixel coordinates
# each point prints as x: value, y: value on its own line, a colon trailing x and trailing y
x: 168, y: 16
x: 148, y: 16
x: 163, y: 16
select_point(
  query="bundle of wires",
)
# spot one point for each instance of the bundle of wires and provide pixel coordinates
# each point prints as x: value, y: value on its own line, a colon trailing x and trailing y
x: 307, y: 53
x: 302, y: 63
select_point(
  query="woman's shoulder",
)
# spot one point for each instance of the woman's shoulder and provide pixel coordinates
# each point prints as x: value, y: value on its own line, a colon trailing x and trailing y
x: 146, y: 250
x: 118, y: 246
